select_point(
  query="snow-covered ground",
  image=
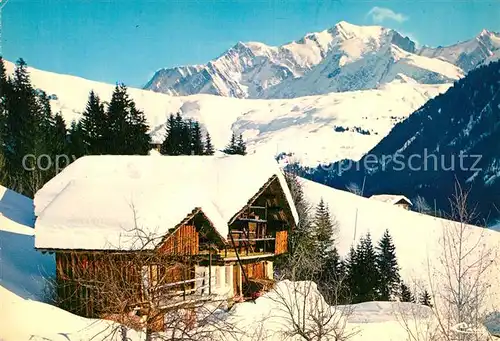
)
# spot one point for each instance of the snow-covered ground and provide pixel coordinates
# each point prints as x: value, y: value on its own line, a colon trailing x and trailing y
x: 416, y: 238
x: 22, y: 269
x: 317, y: 129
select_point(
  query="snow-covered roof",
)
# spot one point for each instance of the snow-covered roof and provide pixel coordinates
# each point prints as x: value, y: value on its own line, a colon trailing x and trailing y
x: 96, y: 201
x: 391, y: 198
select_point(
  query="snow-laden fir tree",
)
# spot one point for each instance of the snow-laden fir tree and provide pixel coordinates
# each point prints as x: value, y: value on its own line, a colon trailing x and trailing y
x: 197, y: 146
x: 388, y: 268
x: 405, y: 294
x: 231, y: 147
x: 208, y: 147
x: 236, y: 145
x: 241, y: 147
x: 425, y: 298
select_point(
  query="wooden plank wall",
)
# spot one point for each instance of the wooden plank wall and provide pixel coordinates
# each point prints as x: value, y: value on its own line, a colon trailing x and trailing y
x: 281, y: 243
x: 255, y: 270
x: 80, y: 275
x: 184, y: 241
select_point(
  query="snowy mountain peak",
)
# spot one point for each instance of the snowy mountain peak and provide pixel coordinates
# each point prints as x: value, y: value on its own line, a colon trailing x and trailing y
x: 484, y: 32
x: 351, y: 30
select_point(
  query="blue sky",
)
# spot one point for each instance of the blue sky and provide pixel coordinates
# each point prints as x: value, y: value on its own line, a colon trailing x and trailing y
x: 127, y: 40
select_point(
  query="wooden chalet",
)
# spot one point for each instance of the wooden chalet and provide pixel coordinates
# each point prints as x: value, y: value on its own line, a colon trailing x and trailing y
x: 396, y: 200
x: 164, y: 229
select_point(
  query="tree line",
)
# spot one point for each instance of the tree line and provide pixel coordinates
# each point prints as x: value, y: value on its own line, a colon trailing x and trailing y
x: 368, y: 273
x: 32, y: 136
x: 184, y: 136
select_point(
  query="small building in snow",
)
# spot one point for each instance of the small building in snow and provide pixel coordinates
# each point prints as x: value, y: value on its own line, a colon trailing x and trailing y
x: 397, y: 200
x: 172, y: 228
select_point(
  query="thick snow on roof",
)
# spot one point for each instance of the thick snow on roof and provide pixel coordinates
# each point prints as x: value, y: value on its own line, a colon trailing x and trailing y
x: 390, y: 198
x: 98, y: 201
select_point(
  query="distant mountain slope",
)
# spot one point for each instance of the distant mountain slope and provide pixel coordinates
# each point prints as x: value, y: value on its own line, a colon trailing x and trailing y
x: 345, y: 57
x: 468, y: 54
x: 314, y: 129
x: 429, y: 144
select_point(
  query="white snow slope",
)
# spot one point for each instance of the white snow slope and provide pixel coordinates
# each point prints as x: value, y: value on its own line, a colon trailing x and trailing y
x: 415, y: 236
x: 316, y: 129
x: 344, y: 57
x: 22, y: 269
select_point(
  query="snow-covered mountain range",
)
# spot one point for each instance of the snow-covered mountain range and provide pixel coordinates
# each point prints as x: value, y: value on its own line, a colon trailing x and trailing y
x: 468, y: 54
x: 315, y: 129
x: 345, y: 57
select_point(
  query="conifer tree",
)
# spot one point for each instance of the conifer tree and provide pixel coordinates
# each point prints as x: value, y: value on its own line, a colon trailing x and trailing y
x: 236, y: 145
x: 94, y: 126
x: 231, y: 148
x: 20, y: 131
x: 388, y: 267
x: 208, y: 148
x: 323, y: 233
x: 182, y: 136
x: 117, y: 121
x: 323, y: 226
x: 27, y: 128
x: 76, y: 144
x: 168, y: 145
x: 4, y: 88
x: 363, y: 276
x: 127, y: 127
x: 352, y: 274
x: 3, y: 75
x: 196, y: 139
x: 4, y: 85
x: 139, y: 142
x: 405, y: 293
x: 240, y: 147
x: 425, y: 298
x: 371, y: 276
x: 60, y: 138
x: 303, y: 235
